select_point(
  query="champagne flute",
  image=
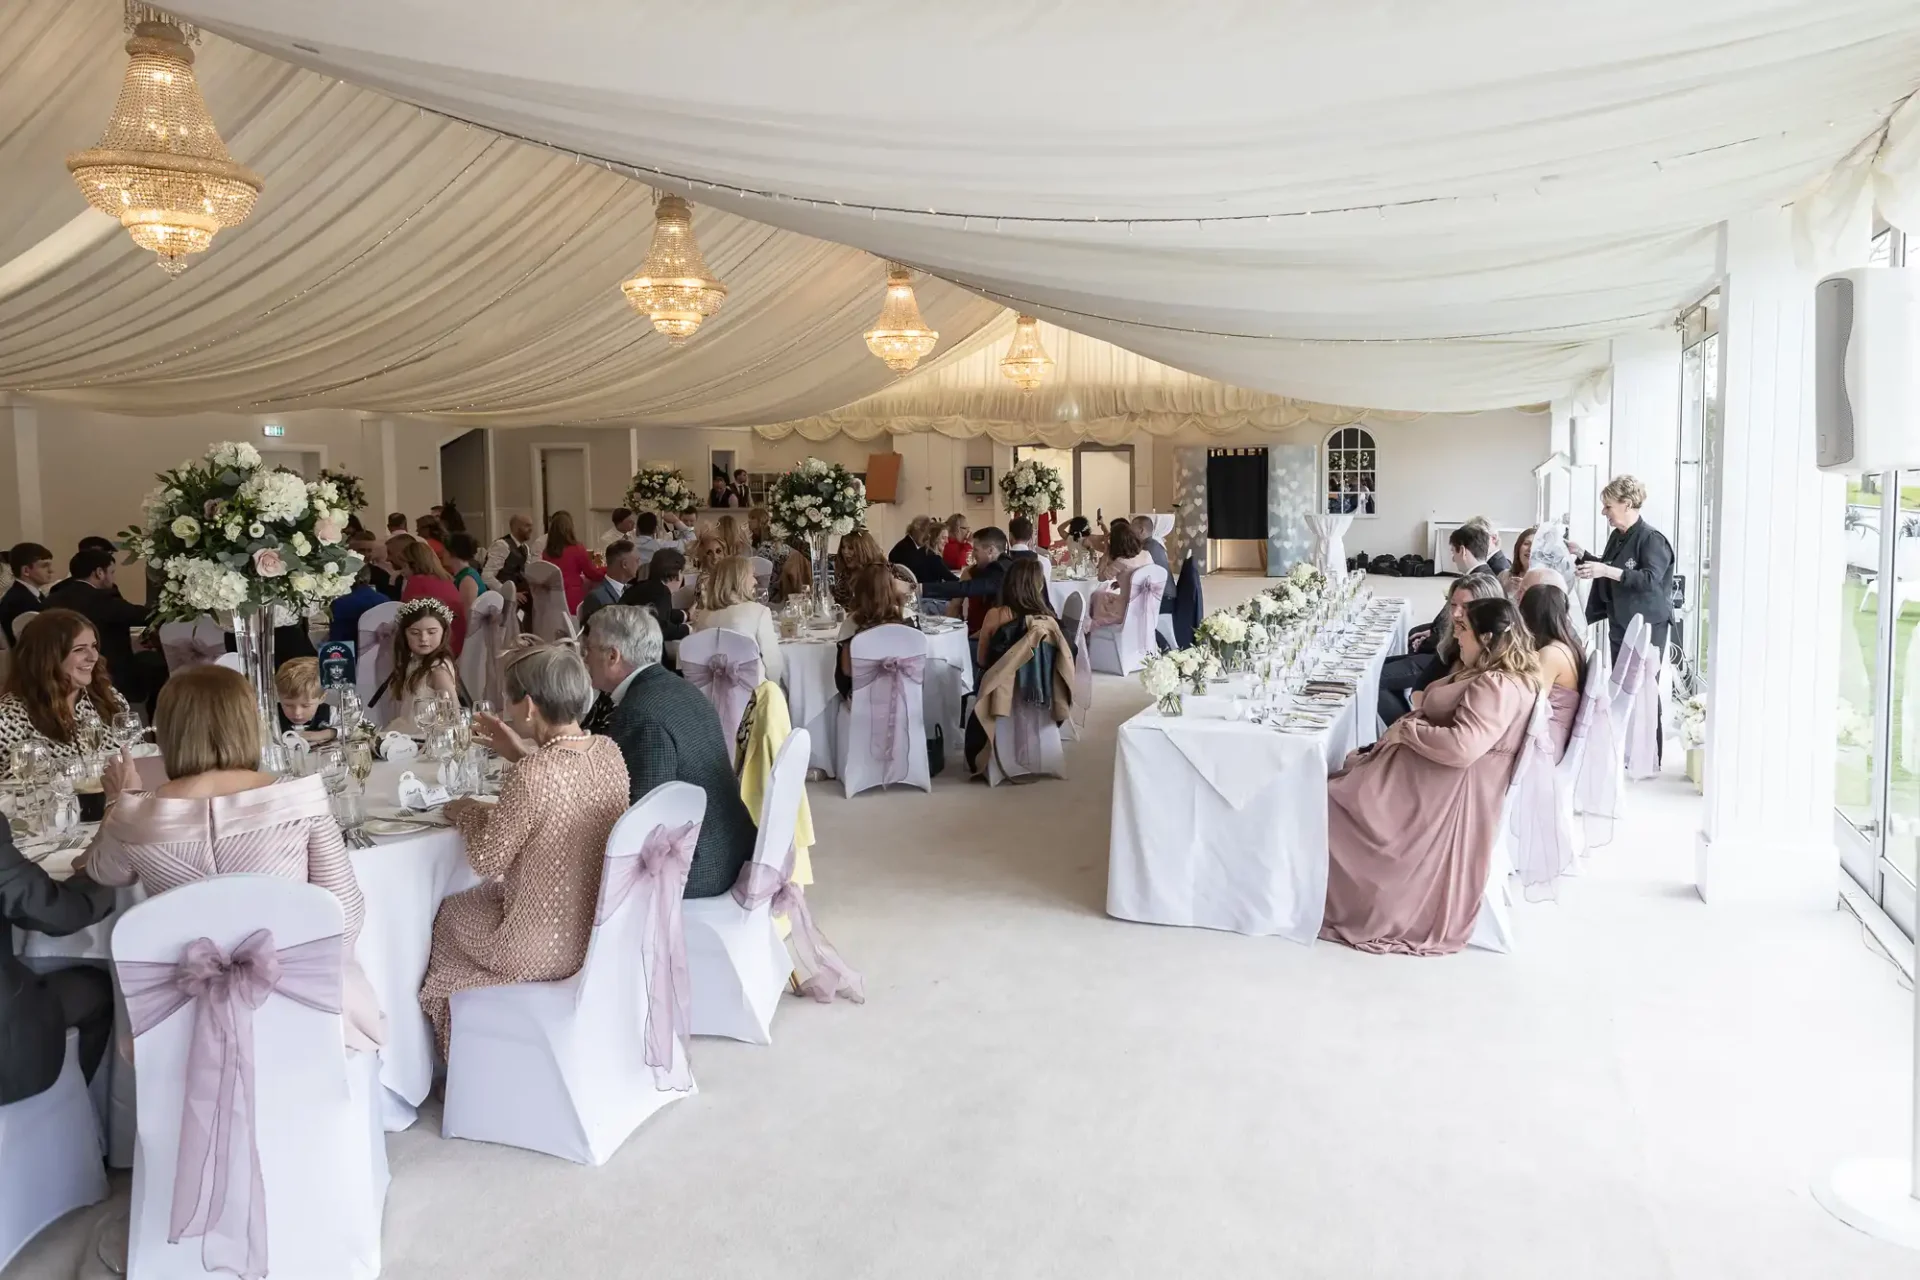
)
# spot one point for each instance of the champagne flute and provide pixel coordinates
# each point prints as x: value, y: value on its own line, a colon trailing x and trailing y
x: 360, y: 759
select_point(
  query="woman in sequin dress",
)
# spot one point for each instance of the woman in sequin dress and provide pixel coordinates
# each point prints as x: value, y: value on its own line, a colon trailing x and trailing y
x: 539, y: 849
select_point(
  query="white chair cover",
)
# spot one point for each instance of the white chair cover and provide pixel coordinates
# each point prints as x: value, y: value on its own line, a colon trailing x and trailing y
x: 734, y: 953
x: 490, y: 628
x: 1542, y: 822
x: 373, y: 660
x: 310, y: 1109
x: 1046, y: 565
x: 1642, y: 755
x: 551, y: 620
x: 726, y: 667
x: 50, y: 1160
x: 1329, y: 534
x: 232, y: 662
x: 883, y: 734
x: 1123, y: 648
x: 564, y: 1067
x: 1025, y: 742
x: 1073, y: 625
x: 1602, y: 771
x: 762, y: 572
x: 20, y: 623
x: 192, y: 644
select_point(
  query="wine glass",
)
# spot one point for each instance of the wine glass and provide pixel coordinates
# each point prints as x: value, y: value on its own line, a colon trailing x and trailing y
x: 332, y: 762
x: 27, y: 762
x: 126, y: 727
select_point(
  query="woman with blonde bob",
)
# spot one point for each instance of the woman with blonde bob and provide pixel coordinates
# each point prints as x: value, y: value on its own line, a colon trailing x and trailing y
x: 1411, y: 820
x: 726, y: 600
x: 218, y: 814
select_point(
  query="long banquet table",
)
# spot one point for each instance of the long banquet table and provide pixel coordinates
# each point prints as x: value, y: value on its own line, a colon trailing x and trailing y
x: 1222, y: 824
x: 403, y: 880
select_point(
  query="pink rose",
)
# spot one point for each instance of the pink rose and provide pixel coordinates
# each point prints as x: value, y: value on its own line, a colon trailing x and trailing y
x: 268, y: 564
x: 328, y: 531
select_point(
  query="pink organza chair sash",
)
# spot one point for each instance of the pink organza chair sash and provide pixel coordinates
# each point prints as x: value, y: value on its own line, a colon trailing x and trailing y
x: 191, y: 650
x: 823, y: 974
x: 219, y: 1194
x: 1642, y: 753
x: 656, y: 876
x: 1541, y: 850
x: 898, y: 672
x: 727, y: 684
x: 383, y: 652
x: 1143, y: 611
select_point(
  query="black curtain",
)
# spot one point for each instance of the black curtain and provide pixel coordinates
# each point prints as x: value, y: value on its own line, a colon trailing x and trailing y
x: 1237, y: 493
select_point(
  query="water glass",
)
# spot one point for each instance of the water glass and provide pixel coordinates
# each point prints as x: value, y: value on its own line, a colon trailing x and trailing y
x: 332, y: 764
x: 349, y: 807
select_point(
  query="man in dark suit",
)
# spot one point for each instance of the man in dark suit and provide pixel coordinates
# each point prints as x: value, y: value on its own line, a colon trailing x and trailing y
x: 35, y: 1009
x: 33, y: 574
x: 1497, y: 560
x: 982, y: 587
x: 914, y: 552
x: 89, y: 592
x: 623, y: 570
x: 669, y: 732
x: 665, y: 572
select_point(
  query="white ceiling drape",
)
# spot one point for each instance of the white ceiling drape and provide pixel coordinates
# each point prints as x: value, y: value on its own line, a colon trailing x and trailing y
x: 1095, y: 391
x: 397, y: 262
x: 1439, y: 206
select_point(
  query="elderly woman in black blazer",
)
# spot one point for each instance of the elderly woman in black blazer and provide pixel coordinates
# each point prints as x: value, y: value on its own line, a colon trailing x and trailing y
x: 35, y: 1009
x: 1634, y: 573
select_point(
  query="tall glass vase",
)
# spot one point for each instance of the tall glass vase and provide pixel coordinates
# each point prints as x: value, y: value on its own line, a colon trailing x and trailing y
x: 253, y: 642
x: 821, y: 602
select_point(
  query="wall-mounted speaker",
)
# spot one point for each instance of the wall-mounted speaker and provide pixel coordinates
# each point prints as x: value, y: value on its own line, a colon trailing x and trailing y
x: 1866, y: 370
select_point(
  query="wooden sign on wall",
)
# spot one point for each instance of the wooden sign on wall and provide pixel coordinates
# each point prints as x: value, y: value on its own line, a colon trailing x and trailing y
x: 883, y: 477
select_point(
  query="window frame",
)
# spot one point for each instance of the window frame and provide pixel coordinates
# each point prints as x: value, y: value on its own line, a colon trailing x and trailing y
x: 1366, y: 445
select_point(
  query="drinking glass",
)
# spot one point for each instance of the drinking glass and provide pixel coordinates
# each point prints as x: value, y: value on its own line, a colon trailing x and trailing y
x: 63, y: 805
x: 349, y: 807
x: 126, y: 727
x: 359, y: 754
x: 332, y: 763
x: 28, y: 761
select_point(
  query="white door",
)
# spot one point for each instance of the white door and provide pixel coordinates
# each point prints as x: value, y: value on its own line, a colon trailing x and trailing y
x: 1106, y: 483
x: 563, y: 487
x: 306, y: 462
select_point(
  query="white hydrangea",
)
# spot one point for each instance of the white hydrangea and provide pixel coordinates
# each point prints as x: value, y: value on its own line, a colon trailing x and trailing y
x: 324, y: 493
x: 1225, y: 628
x: 300, y: 544
x: 1159, y: 676
x: 158, y: 502
x: 236, y: 454
x: 276, y: 495
x: 233, y: 531
x: 206, y: 585
x: 843, y: 526
x: 187, y: 529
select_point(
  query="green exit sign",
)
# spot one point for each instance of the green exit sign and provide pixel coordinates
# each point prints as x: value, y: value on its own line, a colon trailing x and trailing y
x: 273, y: 429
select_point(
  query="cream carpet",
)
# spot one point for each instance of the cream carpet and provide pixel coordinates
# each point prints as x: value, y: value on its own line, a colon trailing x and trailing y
x: 1035, y: 1090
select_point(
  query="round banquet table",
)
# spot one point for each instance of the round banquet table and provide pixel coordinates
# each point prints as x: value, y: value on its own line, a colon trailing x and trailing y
x: 1060, y: 590
x: 403, y: 880
x: 813, y: 702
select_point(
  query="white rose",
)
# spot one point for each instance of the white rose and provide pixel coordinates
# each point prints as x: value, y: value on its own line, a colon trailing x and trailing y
x: 300, y: 544
x: 187, y: 529
x: 304, y: 583
x: 329, y: 569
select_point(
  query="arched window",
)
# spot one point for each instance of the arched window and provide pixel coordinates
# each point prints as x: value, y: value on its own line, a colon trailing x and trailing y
x: 1352, y: 482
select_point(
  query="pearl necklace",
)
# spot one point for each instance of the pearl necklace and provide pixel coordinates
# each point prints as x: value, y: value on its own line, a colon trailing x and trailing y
x: 566, y: 737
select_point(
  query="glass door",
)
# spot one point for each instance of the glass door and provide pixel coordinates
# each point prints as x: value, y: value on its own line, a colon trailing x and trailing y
x: 1693, y: 481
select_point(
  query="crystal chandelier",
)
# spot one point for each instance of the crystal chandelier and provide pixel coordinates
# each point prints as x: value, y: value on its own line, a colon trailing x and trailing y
x: 900, y: 337
x: 161, y: 168
x: 1026, y: 361
x: 675, y: 289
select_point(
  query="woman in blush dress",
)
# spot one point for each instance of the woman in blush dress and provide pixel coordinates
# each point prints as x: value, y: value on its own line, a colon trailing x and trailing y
x: 219, y: 815
x: 1125, y: 556
x: 539, y: 850
x: 578, y: 571
x: 1563, y: 657
x: 1411, y: 821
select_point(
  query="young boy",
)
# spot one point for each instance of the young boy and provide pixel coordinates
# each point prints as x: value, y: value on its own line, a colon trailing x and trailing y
x: 301, y: 706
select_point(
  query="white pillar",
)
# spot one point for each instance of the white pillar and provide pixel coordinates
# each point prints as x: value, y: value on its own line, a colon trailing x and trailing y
x: 20, y: 465
x: 1646, y: 418
x: 1774, y: 633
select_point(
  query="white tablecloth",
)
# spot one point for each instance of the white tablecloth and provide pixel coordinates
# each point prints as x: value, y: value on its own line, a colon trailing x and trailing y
x: 813, y: 702
x: 403, y: 881
x: 1062, y: 589
x: 1223, y: 824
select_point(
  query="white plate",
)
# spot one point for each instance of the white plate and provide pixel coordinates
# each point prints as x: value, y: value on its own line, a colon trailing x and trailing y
x: 396, y: 826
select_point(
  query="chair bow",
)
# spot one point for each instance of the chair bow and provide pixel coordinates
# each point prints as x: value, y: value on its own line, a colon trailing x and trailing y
x: 658, y: 873
x: 223, y: 1205
x: 823, y: 974
x: 192, y: 650
x: 898, y: 671
x: 1143, y: 612
x: 727, y: 684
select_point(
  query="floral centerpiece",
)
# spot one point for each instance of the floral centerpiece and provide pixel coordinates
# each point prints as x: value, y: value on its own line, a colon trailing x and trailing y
x: 661, y: 490
x: 1224, y: 632
x: 232, y: 536
x: 1196, y: 666
x: 814, y: 501
x: 1160, y: 675
x: 1032, y: 488
x: 348, y: 488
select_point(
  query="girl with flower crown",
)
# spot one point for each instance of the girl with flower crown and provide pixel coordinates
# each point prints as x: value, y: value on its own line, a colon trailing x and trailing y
x: 422, y: 662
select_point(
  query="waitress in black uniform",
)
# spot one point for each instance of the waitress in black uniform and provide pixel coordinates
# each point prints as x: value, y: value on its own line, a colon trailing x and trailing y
x: 1634, y: 574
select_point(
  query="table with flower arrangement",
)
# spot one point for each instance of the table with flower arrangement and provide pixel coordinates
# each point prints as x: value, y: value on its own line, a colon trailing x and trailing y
x: 1220, y: 822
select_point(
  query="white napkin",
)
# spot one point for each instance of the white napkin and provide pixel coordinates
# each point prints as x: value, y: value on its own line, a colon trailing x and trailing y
x: 1238, y: 760
x: 417, y: 795
x: 398, y: 746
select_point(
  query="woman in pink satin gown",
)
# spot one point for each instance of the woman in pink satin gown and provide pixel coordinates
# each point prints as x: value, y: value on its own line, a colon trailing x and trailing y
x: 1548, y: 618
x: 219, y: 815
x: 1411, y: 822
x: 1125, y: 557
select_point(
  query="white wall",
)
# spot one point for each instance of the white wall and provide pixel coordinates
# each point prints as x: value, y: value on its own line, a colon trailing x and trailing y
x: 1438, y: 467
